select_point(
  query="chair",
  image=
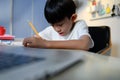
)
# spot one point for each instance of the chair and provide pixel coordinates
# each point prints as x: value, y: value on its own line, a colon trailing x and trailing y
x: 102, y: 39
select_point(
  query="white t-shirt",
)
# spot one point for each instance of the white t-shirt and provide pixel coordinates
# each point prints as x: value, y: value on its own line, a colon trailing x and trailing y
x: 80, y: 29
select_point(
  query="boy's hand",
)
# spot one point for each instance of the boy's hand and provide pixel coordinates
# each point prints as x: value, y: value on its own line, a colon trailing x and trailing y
x: 35, y: 42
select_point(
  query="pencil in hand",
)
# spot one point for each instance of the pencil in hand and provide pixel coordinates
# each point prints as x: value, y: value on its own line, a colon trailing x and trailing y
x: 33, y: 28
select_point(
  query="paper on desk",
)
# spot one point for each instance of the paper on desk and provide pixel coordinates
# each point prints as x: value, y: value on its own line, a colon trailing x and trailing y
x: 11, y: 43
x: 18, y: 43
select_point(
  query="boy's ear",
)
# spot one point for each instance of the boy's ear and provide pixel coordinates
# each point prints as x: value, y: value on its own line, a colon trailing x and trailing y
x: 73, y: 17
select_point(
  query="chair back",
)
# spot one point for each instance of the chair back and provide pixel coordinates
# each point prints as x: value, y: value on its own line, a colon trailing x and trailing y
x: 100, y: 36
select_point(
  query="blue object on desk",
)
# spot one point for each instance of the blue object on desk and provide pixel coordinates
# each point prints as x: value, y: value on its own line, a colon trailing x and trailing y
x: 8, y: 61
x: 22, y: 63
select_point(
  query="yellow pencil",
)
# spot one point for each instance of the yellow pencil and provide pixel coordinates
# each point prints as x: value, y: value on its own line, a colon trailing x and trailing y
x: 33, y: 28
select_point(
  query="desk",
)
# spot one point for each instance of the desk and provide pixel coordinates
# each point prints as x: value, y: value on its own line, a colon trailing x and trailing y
x: 94, y: 67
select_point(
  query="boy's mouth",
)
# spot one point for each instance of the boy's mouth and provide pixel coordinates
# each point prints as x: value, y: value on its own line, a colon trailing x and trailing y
x: 62, y: 34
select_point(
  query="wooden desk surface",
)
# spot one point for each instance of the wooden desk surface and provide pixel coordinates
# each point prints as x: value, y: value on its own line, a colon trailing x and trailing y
x: 94, y: 67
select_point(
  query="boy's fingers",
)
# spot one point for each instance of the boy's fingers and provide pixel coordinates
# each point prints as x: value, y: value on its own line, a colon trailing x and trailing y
x: 36, y: 36
x: 26, y: 43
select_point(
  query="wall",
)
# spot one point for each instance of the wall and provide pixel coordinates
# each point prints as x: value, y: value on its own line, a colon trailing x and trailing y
x: 15, y: 14
x: 5, y: 12
x: 112, y: 22
x: 23, y: 13
x: 28, y: 10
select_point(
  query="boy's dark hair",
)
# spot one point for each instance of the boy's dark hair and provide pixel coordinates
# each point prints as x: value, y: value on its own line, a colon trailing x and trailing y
x: 56, y: 10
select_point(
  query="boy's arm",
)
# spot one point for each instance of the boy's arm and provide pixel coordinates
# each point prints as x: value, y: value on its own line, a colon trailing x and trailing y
x: 37, y: 42
x: 81, y: 44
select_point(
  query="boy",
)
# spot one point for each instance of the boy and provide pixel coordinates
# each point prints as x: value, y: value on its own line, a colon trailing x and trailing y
x: 65, y: 32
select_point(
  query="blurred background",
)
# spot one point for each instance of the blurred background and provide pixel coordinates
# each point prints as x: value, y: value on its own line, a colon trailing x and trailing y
x: 14, y: 15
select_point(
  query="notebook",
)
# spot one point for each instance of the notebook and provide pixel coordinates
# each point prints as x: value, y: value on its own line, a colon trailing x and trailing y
x: 21, y: 63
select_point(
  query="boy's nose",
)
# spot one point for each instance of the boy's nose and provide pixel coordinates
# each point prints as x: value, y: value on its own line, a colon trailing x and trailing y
x: 57, y: 29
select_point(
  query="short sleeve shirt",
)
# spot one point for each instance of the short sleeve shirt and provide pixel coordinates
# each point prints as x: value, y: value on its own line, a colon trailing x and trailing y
x: 80, y: 29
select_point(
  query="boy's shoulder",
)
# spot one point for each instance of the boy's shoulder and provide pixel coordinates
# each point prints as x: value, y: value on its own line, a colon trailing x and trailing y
x: 80, y: 22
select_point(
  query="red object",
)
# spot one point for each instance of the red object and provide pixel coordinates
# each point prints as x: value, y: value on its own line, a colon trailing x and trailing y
x: 94, y: 3
x: 2, y: 30
x: 7, y: 37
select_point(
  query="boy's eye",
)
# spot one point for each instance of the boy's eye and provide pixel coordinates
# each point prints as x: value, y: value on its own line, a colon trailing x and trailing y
x: 60, y: 24
x: 57, y: 24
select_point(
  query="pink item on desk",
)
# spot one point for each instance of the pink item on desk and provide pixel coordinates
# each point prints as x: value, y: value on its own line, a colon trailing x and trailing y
x: 7, y: 37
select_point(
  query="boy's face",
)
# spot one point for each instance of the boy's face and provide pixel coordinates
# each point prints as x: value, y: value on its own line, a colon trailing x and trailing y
x: 63, y: 27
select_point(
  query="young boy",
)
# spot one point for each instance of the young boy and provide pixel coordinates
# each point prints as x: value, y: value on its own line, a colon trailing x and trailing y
x: 64, y: 32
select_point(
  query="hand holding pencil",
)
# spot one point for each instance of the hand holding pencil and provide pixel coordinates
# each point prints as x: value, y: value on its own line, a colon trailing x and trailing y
x: 35, y: 42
